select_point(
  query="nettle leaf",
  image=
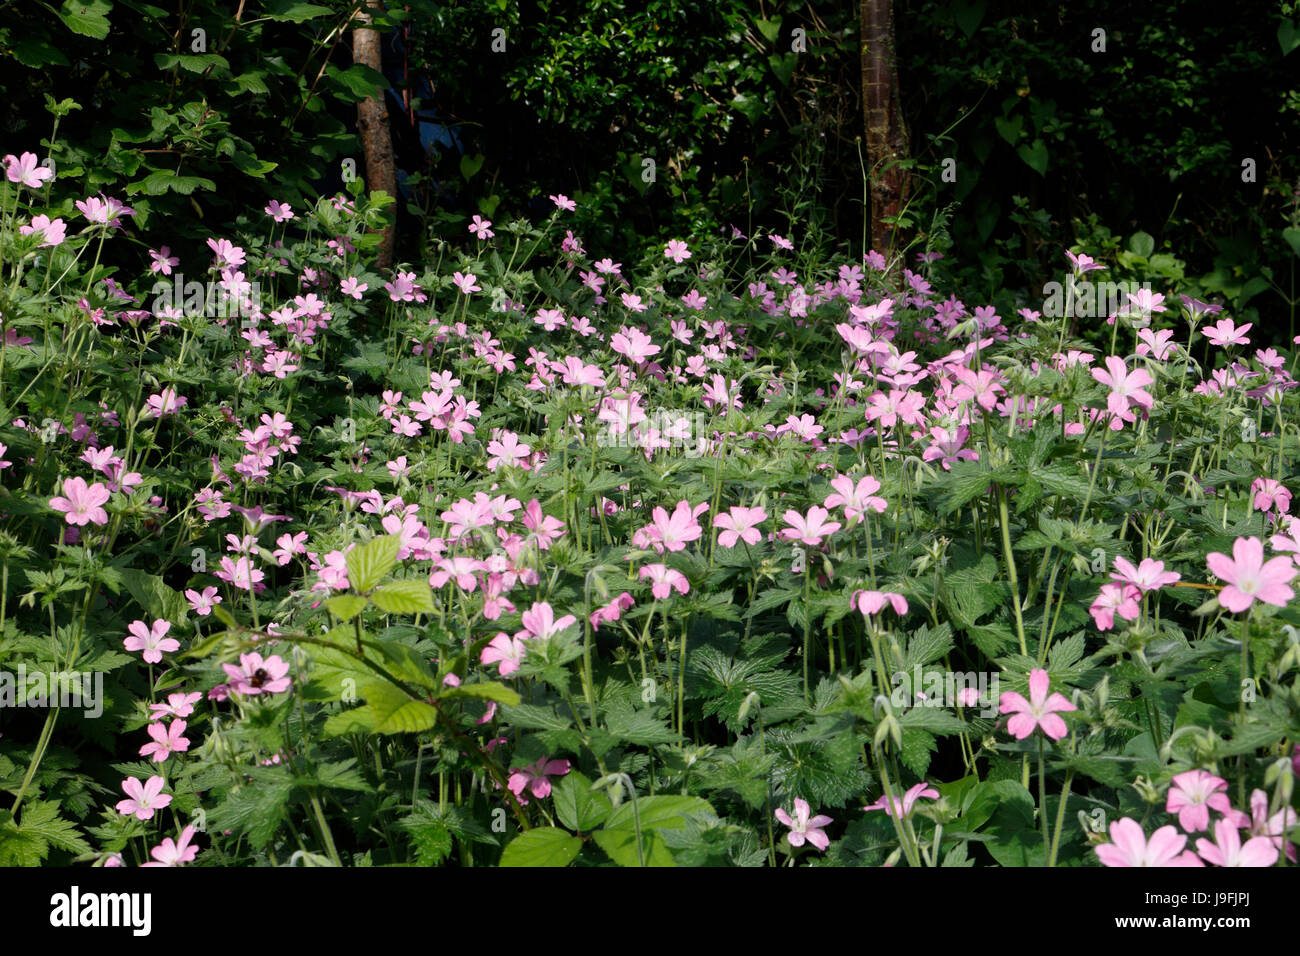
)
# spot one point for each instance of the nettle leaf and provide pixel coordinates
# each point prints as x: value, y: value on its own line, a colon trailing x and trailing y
x: 404, y: 597
x: 657, y: 813
x: 368, y: 563
x: 256, y: 810
x: 542, y: 846
x: 925, y: 645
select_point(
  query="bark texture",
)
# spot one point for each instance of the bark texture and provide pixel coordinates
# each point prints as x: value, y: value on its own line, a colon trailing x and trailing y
x: 886, y: 132
x: 372, y: 124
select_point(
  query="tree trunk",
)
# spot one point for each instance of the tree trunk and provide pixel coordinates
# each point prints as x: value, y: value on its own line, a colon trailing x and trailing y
x: 372, y: 124
x: 883, y: 119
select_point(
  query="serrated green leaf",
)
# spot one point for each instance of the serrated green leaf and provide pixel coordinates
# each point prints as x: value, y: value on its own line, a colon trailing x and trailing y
x: 368, y: 563
x: 404, y: 597
x: 346, y: 606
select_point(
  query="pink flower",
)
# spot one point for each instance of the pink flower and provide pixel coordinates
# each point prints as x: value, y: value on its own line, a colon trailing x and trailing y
x: 1121, y: 599
x: 53, y: 231
x: 904, y: 805
x: 166, y: 402
x: 540, y: 622
x: 810, y: 529
x: 178, y: 705
x: 1227, y: 849
x: 279, y: 211
x: 665, y: 579
x: 163, y: 260
x: 165, y: 741
x: 535, y: 778
x: 1039, y: 711
x: 857, y: 499
x: 151, y: 640
x: 1129, y: 846
x: 1126, y: 388
x: 143, y: 799
x: 81, y: 504
x: 481, y: 228
x: 1193, y: 795
x: 873, y: 602
x: 563, y: 202
x: 1225, y: 332
x: 674, y: 533
x: 25, y: 169
x: 256, y: 676
x: 1150, y: 575
x: 174, y: 853
x: 466, y: 282
x: 804, y: 828
x: 1270, y: 493
x: 104, y: 210
x: 504, y: 650
x: 1274, y: 827
x: 1083, y: 263
x: 676, y: 250
x: 1249, y: 578
x: 740, y: 524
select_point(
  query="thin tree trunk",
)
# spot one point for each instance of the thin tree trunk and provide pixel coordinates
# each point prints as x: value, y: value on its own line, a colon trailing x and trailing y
x: 372, y: 124
x: 883, y: 119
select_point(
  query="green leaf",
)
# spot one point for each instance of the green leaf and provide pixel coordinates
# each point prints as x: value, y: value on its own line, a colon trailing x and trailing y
x: 257, y: 809
x: 578, y: 806
x: 542, y: 846
x: 404, y: 597
x: 1288, y: 36
x: 1035, y: 155
x: 1142, y: 244
x: 1292, y: 236
x: 621, y: 847
x: 1010, y: 128
x: 969, y: 15
x: 470, y: 165
x: 395, y: 712
x: 368, y: 563
x: 487, y: 690
x: 657, y: 813
x: 360, y: 80
x: 346, y: 606
x: 87, y: 17
x: 288, y: 11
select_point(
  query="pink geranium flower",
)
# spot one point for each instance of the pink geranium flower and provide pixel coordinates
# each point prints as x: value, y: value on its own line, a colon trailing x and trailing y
x: 1129, y: 846
x: 165, y: 741
x: 26, y: 169
x: 535, y: 778
x: 540, y: 622
x: 1228, y: 850
x: 665, y: 579
x: 152, y: 640
x: 1150, y: 575
x: 1193, y: 795
x: 857, y: 498
x: 1126, y: 388
x: 903, y: 806
x: 257, y: 676
x: 873, y: 602
x: 178, y: 705
x: 740, y: 524
x: 1271, y: 493
x: 805, y: 828
x: 1121, y: 599
x: 143, y: 799
x: 809, y: 529
x: 174, y: 853
x: 1225, y: 332
x: 1039, y: 710
x: 1249, y: 578
x: 505, y: 651
x: 82, y: 503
